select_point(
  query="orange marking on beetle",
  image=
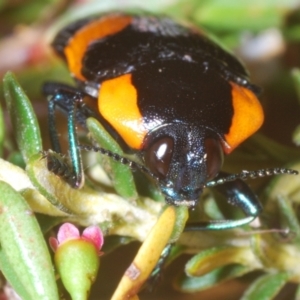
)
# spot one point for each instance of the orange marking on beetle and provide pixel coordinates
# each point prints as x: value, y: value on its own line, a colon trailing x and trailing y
x: 117, y: 103
x: 247, y: 118
x: 95, y: 30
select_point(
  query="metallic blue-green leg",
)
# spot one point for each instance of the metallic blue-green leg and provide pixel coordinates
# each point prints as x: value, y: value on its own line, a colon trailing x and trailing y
x: 76, y: 161
x: 52, y: 126
x: 69, y: 100
x: 157, y: 271
x: 238, y: 194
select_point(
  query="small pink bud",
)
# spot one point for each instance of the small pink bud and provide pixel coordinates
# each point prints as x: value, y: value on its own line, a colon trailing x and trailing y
x: 77, y: 258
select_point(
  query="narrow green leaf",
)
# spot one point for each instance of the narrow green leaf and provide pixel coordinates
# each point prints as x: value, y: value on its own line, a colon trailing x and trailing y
x: 176, y: 251
x: 182, y: 215
x: 288, y: 217
x: 213, y: 258
x: 189, y: 284
x: 276, y: 254
x: 285, y: 185
x: 121, y: 174
x: 24, y: 257
x: 266, y: 287
x: 13, y: 277
x: 24, y: 122
x: 45, y: 181
x: 2, y: 131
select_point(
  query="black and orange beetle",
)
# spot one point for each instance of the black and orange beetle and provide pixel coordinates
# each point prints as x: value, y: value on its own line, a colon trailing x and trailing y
x: 170, y: 94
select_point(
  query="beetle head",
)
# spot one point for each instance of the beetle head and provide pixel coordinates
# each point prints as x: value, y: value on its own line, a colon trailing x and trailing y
x: 183, y: 158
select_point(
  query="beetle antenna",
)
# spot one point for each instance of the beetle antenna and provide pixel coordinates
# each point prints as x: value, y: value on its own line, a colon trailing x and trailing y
x: 118, y: 158
x: 245, y: 174
x: 252, y: 175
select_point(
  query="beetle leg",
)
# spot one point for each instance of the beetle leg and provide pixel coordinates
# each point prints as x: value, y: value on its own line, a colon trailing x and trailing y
x: 69, y: 100
x: 239, y: 194
x: 155, y: 276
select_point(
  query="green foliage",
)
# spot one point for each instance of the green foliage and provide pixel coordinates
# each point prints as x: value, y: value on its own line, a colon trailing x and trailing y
x: 122, y: 177
x: 24, y: 256
x: 24, y: 121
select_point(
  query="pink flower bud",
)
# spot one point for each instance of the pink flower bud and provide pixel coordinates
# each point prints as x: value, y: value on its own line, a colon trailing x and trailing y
x: 77, y: 258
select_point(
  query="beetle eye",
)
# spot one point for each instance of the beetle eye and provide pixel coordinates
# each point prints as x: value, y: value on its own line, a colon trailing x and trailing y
x: 214, y: 157
x: 158, y: 156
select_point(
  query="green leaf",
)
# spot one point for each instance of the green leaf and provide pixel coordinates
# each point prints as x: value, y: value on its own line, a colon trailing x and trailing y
x: 24, y: 122
x: 275, y: 253
x: 2, y: 131
x: 44, y: 180
x: 182, y: 215
x: 213, y: 258
x: 121, y: 174
x: 189, y: 284
x: 266, y: 287
x: 288, y: 217
x: 176, y: 251
x: 285, y: 185
x: 282, y: 194
x: 24, y: 257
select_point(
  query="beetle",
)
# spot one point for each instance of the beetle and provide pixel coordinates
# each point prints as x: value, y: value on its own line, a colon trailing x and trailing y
x: 170, y: 94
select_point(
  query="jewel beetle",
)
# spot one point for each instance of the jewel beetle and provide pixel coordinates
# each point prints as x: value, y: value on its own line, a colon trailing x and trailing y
x: 170, y: 94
